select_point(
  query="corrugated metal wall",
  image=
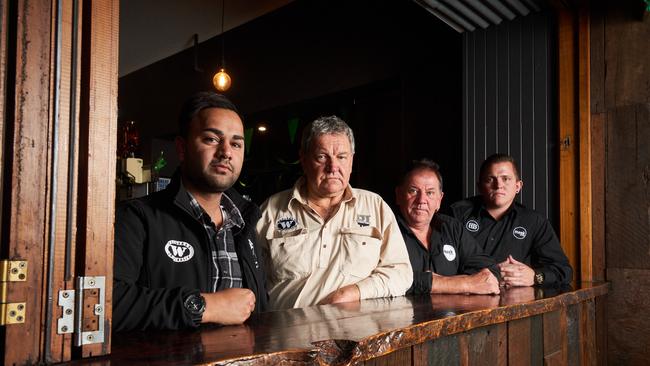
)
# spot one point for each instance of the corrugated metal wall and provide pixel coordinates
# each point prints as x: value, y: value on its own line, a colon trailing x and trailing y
x: 509, y: 104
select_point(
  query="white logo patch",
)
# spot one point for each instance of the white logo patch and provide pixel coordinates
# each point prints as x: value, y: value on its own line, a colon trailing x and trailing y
x: 472, y: 225
x: 286, y: 223
x: 449, y: 252
x: 363, y: 220
x: 519, y: 232
x: 179, y: 251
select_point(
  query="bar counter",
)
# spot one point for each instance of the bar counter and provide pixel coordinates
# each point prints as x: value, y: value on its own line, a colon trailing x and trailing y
x: 523, y: 325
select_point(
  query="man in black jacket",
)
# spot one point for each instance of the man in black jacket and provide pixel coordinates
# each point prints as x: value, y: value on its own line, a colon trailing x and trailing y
x: 187, y: 255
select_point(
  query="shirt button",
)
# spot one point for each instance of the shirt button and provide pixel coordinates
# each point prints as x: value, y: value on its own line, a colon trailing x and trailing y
x: 324, y: 245
x: 491, y: 238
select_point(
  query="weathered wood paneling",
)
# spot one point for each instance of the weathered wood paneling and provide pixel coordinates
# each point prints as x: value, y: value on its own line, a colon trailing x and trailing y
x: 620, y: 75
x: 555, y: 337
x: 627, y: 54
x: 399, y: 357
x: 598, y: 173
x: 519, y: 342
x: 438, y: 352
x: 588, y: 332
x: 627, y: 304
x: 573, y: 335
x: 627, y: 195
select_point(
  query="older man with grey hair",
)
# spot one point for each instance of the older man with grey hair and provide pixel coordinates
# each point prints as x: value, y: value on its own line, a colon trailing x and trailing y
x: 325, y: 242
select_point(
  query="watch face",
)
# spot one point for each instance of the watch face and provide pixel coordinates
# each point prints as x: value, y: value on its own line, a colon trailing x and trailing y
x: 195, y: 304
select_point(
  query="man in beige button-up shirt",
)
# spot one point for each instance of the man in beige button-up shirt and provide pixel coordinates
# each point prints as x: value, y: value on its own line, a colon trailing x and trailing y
x: 325, y: 242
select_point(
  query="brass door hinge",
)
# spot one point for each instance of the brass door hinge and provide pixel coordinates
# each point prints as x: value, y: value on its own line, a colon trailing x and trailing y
x: 11, y: 271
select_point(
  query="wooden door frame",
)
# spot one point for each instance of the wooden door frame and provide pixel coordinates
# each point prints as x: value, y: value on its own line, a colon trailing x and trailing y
x: 52, y: 86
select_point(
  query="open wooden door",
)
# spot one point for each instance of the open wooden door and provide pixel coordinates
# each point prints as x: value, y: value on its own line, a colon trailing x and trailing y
x: 59, y: 108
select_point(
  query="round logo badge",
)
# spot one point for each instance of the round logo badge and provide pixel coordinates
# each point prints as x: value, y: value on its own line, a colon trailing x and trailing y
x: 472, y: 225
x: 519, y: 232
x: 179, y: 251
x: 449, y: 252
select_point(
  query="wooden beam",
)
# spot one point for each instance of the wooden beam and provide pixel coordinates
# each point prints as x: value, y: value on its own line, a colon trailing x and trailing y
x: 97, y: 155
x: 567, y: 76
x: 25, y: 181
x: 584, y: 97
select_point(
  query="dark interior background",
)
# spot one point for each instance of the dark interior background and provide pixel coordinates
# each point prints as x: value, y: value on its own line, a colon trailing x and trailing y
x: 390, y: 69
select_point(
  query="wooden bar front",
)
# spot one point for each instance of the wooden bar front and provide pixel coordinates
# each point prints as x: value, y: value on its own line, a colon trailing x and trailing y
x: 522, y: 326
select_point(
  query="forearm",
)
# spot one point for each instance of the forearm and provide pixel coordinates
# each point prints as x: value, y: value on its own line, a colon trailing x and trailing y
x: 449, y: 284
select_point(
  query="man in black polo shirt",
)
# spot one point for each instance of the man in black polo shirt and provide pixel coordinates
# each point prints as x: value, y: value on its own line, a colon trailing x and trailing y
x: 444, y: 258
x: 521, y: 240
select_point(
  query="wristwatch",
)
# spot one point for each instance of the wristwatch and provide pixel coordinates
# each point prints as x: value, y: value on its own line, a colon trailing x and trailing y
x: 539, y: 277
x: 195, y: 306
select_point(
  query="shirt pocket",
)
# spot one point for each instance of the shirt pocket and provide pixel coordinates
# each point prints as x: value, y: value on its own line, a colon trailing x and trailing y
x: 290, y: 254
x: 361, y: 248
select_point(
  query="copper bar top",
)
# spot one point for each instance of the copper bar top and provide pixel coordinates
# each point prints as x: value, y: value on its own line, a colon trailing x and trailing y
x: 331, y: 334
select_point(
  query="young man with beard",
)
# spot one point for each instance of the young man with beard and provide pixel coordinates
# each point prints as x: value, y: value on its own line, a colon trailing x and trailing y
x: 187, y: 255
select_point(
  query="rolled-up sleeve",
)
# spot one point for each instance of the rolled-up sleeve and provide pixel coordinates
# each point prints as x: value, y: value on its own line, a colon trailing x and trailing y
x: 393, y: 275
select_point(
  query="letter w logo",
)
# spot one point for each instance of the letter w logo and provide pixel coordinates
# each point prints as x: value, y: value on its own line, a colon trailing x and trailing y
x: 179, y: 251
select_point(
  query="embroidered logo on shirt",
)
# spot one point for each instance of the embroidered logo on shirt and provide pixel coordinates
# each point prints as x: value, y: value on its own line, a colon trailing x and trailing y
x: 179, y: 251
x: 472, y: 225
x: 519, y: 232
x: 363, y: 220
x: 449, y: 252
x: 286, y: 223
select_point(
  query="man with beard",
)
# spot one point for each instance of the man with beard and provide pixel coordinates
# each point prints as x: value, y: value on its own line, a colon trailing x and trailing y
x: 187, y: 255
x: 520, y: 239
x: 325, y: 241
x: 445, y: 258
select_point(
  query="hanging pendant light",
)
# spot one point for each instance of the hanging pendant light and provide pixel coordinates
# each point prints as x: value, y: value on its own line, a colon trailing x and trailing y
x: 221, y: 80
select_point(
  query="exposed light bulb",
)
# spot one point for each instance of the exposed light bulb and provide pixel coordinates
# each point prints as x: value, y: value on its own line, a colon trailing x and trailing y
x: 221, y: 80
x: 261, y: 128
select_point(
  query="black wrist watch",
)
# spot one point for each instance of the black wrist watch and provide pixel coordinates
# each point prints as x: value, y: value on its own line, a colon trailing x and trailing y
x: 539, y: 277
x: 195, y: 306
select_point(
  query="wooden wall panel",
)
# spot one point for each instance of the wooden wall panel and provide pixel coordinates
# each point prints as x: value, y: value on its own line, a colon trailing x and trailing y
x: 485, y: 346
x: 573, y: 335
x: 627, y: 196
x: 26, y: 148
x: 588, y: 332
x: 598, y: 174
x: 438, y: 352
x: 601, y: 331
x: 627, y: 303
x: 555, y: 337
x: 399, y: 357
x: 519, y: 342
